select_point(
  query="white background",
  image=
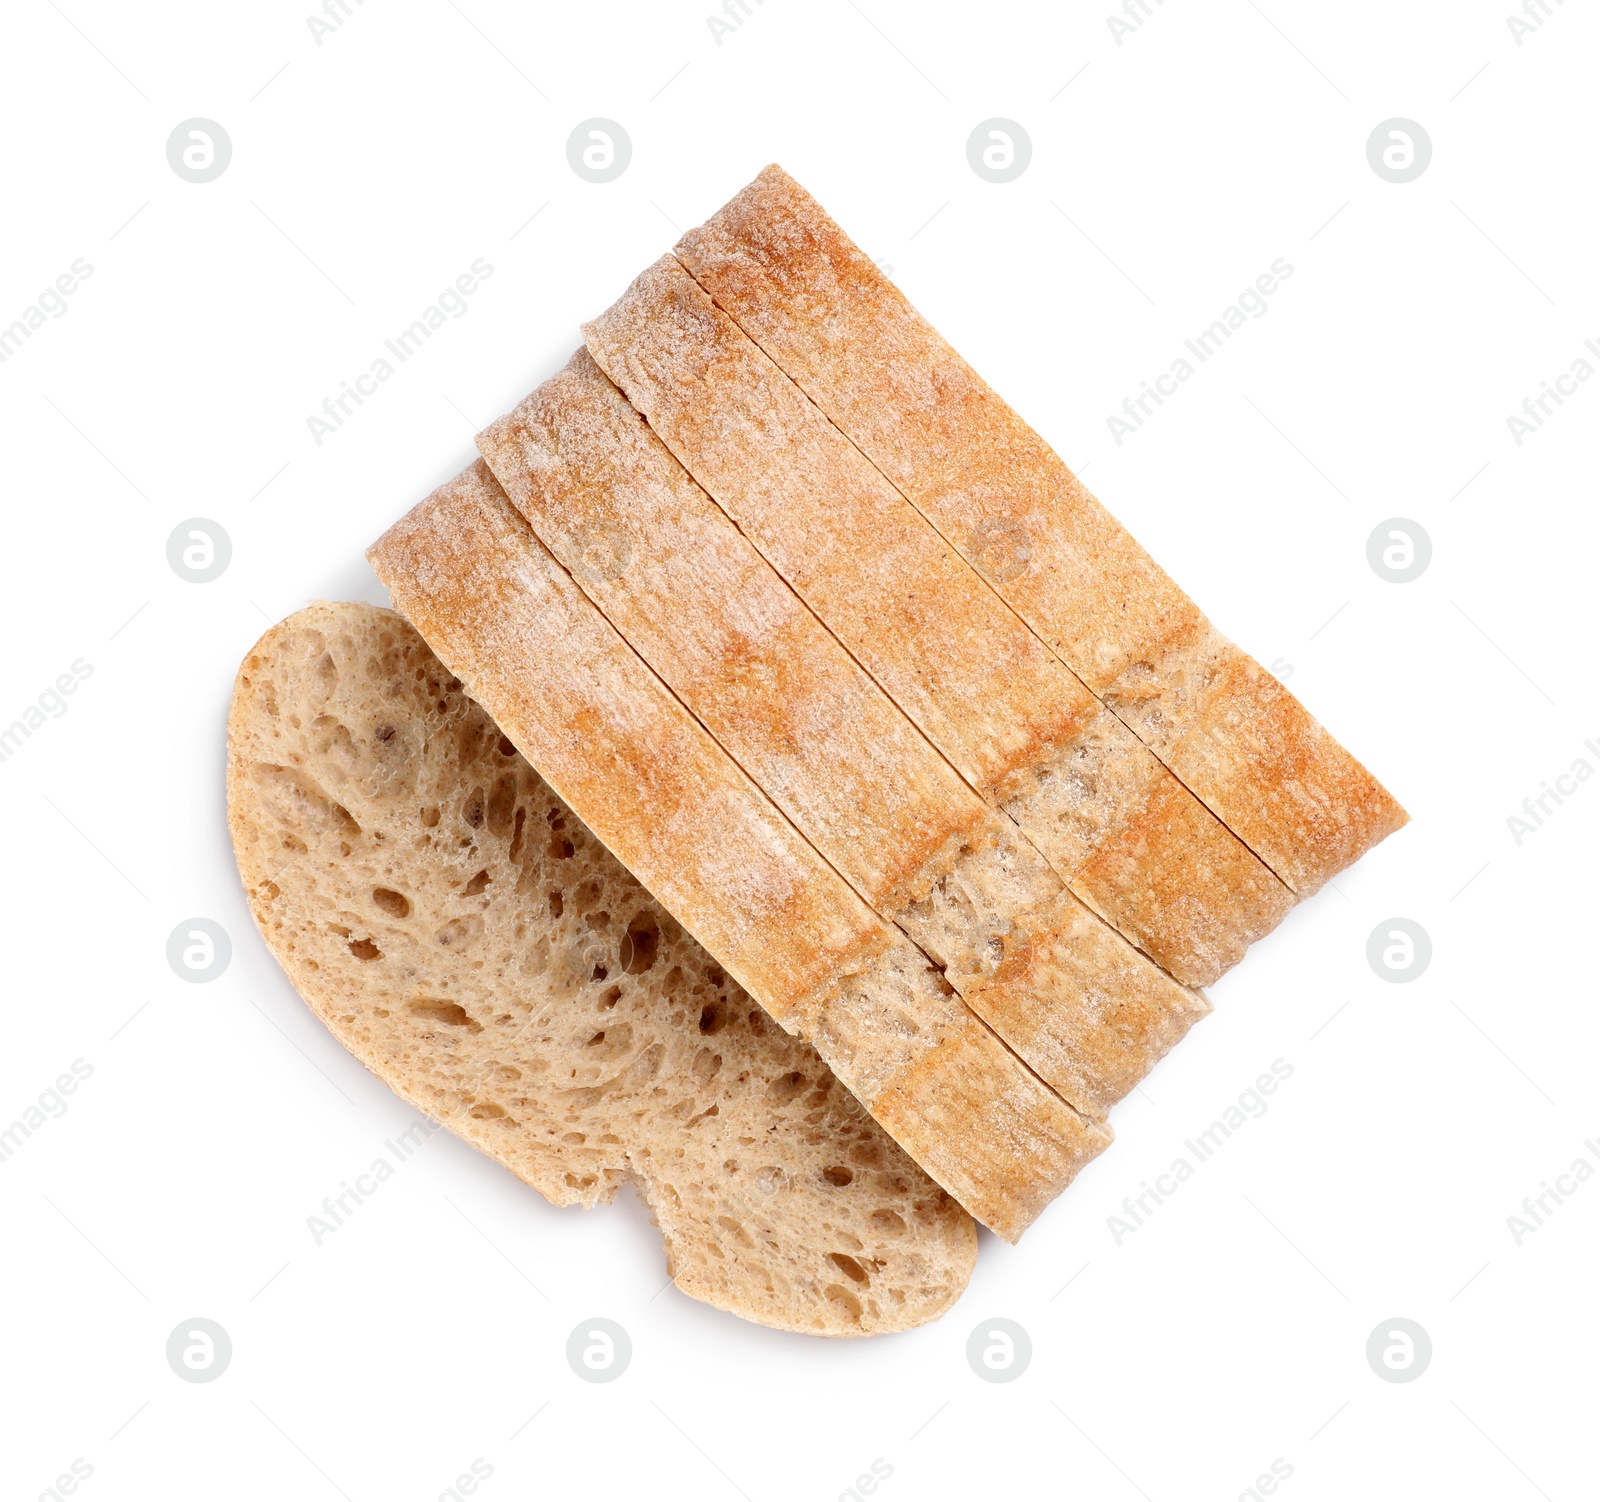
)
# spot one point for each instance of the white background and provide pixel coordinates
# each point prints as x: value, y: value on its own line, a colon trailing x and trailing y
x: 1167, y: 173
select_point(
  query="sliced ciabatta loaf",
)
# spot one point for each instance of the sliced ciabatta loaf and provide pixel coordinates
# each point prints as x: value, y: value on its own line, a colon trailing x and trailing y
x: 682, y: 585
x: 792, y: 279
x: 468, y: 572
x: 1128, y: 838
x: 473, y: 944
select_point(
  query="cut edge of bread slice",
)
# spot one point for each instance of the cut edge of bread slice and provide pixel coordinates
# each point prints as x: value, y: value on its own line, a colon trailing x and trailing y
x: 774, y: 687
x: 473, y: 944
x: 499, y: 610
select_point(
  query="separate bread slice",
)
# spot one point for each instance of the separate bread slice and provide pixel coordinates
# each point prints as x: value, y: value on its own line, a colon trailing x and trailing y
x: 683, y: 587
x: 460, y: 931
x: 668, y: 802
x: 1023, y: 731
x: 795, y: 283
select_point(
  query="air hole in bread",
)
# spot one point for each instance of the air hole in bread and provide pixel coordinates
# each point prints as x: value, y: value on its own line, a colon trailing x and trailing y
x: 488, y: 1111
x: 561, y: 847
x: 887, y: 1223
x: 365, y: 949
x: 598, y: 1038
x: 476, y: 885
x: 384, y: 733
x: 713, y: 1017
x: 848, y: 1266
x: 786, y: 1087
x: 838, y: 1175
x: 506, y: 748
x: 639, y: 945
x: 459, y: 932
x: 612, y: 996
x: 846, y: 1300
x: 502, y: 804
x: 450, y: 1013
x: 395, y: 904
x: 599, y: 973
x: 430, y: 817
x: 706, y: 1065
x: 472, y: 810
x: 556, y: 904
x: 516, y: 833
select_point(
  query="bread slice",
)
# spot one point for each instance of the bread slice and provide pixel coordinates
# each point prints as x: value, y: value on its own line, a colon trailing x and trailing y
x: 461, y: 932
x: 670, y: 804
x: 820, y: 308
x: 683, y: 587
x: 1024, y: 732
